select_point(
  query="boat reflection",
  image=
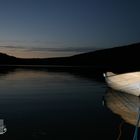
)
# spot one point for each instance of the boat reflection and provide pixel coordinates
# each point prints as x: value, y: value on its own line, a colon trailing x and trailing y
x: 123, y: 104
x: 3, y: 128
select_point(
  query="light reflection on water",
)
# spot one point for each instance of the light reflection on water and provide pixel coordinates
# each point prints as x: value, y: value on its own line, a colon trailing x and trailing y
x: 54, y: 105
x: 3, y: 128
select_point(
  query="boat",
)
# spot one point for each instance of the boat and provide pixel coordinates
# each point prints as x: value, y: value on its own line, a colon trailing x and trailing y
x: 126, y: 82
x: 125, y: 105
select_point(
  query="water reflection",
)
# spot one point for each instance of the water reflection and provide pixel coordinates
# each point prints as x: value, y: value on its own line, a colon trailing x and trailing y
x: 3, y: 128
x: 81, y: 72
x: 45, y: 103
x: 123, y: 104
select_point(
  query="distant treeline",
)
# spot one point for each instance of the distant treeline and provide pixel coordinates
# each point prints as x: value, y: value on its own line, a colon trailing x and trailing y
x: 117, y: 58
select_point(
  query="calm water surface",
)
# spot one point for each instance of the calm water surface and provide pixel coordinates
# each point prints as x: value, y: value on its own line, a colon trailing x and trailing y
x: 37, y: 104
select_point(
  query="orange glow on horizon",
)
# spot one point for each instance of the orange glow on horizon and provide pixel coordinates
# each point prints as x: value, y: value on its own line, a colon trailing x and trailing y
x: 34, y: 54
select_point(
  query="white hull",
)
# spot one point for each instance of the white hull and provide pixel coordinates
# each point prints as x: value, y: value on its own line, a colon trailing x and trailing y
x: 128, y: 82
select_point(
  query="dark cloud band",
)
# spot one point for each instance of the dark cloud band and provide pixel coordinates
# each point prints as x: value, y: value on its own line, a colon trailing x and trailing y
x: 52, y: 49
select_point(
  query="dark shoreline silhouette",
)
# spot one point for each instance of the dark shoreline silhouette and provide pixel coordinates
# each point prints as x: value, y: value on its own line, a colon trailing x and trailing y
x: 119, y: 59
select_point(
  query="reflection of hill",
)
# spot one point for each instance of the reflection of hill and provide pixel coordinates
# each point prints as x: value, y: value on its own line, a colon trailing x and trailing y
x: 123, y: 104
x: 118, y: 58
x: 80, y: 72
x: 6, y: 70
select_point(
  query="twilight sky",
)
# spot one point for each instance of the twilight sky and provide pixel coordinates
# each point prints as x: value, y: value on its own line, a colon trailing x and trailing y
x: 48, y: 28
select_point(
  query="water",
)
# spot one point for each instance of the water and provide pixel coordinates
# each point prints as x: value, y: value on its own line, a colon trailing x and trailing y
x: 40, y: 104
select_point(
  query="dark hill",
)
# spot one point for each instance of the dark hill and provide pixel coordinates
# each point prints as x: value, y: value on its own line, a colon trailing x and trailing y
x: 118, y: 58
x: 6, y: 59
x: 123, y: 57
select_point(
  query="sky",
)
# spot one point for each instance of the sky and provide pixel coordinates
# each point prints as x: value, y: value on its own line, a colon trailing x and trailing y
x: 54, y: 28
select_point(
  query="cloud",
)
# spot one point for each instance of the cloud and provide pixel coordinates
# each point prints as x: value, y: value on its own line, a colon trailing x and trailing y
x: 62, y: 49
x: 11, y: 47
x: 46, y: 46
x: 50, y: 49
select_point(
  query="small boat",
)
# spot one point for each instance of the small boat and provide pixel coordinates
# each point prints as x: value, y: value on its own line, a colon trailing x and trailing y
x: 127, y: 82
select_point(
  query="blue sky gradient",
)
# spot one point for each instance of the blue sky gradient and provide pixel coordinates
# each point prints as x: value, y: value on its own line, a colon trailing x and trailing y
x: 48, y: 28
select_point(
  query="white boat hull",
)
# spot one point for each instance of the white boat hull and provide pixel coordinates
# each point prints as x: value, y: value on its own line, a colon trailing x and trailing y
x: 128, y: 82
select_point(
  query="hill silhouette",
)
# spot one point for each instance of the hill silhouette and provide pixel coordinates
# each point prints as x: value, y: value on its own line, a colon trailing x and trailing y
x: 118, y: 58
